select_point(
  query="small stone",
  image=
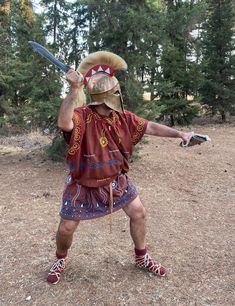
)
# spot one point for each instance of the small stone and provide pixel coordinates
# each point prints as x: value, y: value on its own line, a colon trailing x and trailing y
x: 46, y: 194
x: 46, y: 131
x: 28, y: 298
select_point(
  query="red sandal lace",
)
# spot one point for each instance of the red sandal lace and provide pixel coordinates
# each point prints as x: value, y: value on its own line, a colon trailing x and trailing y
x: 55, y: 271
x: 146, y: 262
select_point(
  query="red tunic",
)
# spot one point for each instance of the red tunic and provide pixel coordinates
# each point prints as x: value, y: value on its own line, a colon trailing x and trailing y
x: 100, y: 146
x: 98, y: 153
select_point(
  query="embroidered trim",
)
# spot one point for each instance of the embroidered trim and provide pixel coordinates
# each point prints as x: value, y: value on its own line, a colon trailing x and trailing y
x: 103, y: 139
x: 139, y: 130
x: 96, y: 116
x: 89, y: 118
x: 77, y: 135
x: 103, y: 180
x: 88, y: 155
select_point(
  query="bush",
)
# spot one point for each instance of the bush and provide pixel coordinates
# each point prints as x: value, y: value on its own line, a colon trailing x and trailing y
x: 172, y: 111
x: 57, y: 150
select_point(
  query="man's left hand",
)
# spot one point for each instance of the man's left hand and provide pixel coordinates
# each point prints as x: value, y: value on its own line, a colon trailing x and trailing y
x: 186, y: 136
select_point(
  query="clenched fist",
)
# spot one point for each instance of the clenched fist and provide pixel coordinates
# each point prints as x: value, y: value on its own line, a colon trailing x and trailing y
x: 74, y: 78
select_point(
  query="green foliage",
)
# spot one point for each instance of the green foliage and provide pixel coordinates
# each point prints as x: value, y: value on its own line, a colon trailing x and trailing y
x: 57, y: 150
x: 131, y: 29
x: 178, y: 111
x: 29, y: 90
x: 179, y: 74
x: 135, y: 155
x: 136, y: 152
x: 218, y: 85
x: 171, y: 111
x: 155, y: 38
x: 132, y: 95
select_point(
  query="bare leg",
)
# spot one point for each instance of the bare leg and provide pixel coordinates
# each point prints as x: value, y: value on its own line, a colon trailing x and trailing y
x: 136, y: 211
x: 64, y: 235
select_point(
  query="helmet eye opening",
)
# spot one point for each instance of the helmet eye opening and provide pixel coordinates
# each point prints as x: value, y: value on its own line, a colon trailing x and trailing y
x: 117, y: 93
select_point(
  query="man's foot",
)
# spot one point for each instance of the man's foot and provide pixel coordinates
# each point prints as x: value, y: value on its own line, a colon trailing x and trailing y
x: 147, y: 263
x: 55, y: 271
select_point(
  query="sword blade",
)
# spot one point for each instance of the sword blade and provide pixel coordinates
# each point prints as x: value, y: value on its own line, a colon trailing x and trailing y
x: 49, y: 56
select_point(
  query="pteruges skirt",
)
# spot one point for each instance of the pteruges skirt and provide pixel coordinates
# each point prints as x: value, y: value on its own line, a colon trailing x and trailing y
x: 82, y: 203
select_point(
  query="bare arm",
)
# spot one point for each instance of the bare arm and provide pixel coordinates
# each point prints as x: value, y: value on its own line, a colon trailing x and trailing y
x: 157, y: 129
x: 68, y: 105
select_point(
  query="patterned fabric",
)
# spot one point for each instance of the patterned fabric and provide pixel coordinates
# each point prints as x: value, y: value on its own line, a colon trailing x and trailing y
x: 99, y: 148
x: 80, y: 202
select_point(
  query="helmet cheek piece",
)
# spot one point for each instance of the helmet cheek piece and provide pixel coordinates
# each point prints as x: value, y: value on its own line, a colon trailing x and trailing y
x: 113, y: 101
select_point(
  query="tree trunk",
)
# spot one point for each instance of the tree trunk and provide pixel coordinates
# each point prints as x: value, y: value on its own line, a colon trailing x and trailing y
x: 4, y: 31
x: 152, y: 84
x: 223, y: 115
x: 172, y: 120
x: 7, y: 7
x: 55, y: 23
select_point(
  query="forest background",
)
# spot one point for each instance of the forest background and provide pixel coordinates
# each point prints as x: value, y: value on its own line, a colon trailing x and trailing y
x: 180, y: 57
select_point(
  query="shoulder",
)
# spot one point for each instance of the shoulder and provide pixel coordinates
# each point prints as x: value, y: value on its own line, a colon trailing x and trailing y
x: 82, y: 112
x: 133, y: 117
x: 128, y: 113
x: 135, y: 123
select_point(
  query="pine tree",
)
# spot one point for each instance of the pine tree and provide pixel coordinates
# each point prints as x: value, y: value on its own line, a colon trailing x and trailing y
x: 178, y: 66
x: 56, y: 15
x: 4, y: 49
x: 75, y: 43
x: 130, y: 29
x: 32, y: 93
x: 218, y: 87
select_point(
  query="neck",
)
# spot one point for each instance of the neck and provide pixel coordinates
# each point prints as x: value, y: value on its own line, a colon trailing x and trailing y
x: 103, y: 110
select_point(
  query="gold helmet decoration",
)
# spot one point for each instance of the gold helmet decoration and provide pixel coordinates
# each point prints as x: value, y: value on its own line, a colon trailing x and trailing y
x: 98, y: 70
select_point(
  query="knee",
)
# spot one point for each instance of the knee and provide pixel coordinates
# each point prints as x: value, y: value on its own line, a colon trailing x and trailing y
x: 66, y: 228
x: 138, y: 214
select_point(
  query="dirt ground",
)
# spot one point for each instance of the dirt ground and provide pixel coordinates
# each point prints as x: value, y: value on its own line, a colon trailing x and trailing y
x: 189, y: 195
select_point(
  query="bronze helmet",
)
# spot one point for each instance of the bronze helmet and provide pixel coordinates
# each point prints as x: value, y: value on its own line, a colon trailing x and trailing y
x: 102, y: 86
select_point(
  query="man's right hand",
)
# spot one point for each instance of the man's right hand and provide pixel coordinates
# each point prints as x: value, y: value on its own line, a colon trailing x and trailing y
x: 74, y: 78
x: 68, y: 105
